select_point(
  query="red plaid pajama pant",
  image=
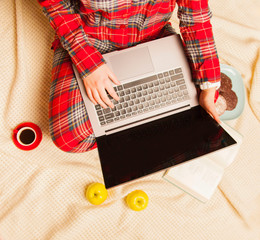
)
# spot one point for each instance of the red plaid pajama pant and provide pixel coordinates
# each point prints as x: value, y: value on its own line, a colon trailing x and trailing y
x: 69, y: 125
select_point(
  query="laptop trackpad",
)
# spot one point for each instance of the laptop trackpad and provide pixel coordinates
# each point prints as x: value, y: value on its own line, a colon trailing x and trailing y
x: 132, y: 63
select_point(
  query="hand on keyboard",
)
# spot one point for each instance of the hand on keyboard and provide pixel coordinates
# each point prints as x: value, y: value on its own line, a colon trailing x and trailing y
x: 98, y: 83
x: 144, y: 95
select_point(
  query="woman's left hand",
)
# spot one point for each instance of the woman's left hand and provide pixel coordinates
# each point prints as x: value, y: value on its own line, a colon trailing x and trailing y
x: 206, y: 100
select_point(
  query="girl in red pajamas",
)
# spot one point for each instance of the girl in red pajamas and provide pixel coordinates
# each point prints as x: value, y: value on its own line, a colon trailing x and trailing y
x: 87, y: 29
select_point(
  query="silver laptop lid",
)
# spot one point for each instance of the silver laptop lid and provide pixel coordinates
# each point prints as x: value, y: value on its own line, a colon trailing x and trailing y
x: 144, y: 61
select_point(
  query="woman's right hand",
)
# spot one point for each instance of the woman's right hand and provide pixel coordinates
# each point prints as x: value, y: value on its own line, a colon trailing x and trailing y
x: 206, y: 100
x: 98, y: 82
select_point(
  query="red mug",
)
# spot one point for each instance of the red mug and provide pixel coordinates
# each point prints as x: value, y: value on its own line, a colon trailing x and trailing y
x: 27, y: 136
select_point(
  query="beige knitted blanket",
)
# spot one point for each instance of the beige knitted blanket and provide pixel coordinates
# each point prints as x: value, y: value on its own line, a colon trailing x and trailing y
x: 42, y: 191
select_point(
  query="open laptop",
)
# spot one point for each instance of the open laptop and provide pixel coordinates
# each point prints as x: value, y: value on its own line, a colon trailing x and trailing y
x: 157, y: 123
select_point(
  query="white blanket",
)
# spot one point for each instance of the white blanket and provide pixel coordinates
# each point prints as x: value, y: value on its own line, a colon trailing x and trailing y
x: 42, y: 191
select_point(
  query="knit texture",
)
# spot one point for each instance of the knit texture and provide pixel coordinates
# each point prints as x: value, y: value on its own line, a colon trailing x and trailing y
x: 42, y: 191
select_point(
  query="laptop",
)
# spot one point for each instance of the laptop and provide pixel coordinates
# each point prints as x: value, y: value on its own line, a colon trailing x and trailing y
x: 158, y: 122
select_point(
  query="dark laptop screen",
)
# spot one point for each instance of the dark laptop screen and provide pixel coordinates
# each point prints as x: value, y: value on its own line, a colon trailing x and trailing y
x: 145, y: 149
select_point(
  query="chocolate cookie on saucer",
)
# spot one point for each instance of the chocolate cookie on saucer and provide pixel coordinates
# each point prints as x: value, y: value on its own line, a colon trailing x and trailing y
x: 227, y: 100
x: 226, y: 83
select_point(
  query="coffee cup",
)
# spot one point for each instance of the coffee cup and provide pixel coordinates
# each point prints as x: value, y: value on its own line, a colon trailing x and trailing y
x: 26, y: 136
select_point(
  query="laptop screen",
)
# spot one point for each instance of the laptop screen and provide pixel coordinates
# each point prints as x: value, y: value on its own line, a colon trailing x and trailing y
x: 157, y: 145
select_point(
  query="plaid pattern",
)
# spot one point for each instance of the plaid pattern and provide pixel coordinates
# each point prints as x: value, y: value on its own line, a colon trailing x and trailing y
x: 196, y: 30
x: 69, y: 124
x: 70, y: 127
x: 103, y: 26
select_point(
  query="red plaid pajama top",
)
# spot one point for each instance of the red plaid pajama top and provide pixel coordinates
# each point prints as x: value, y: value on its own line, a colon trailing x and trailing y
x: 101, y: 26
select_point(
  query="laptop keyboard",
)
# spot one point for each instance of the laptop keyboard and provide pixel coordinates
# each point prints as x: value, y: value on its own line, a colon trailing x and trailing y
x: 147, y: 94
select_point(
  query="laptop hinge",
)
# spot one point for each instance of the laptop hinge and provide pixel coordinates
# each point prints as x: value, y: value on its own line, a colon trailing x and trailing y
x: 148, y: 119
